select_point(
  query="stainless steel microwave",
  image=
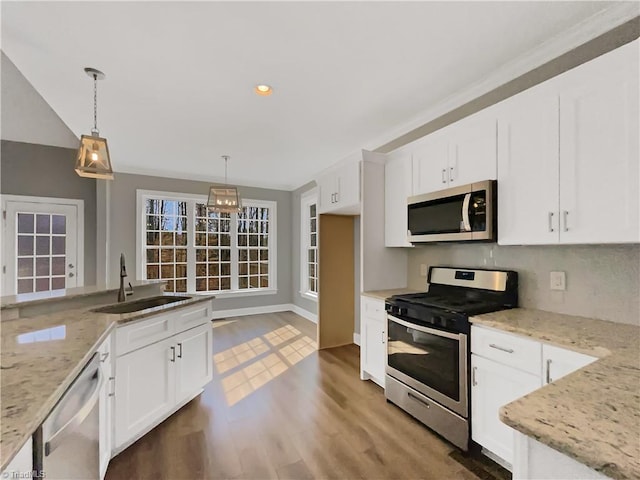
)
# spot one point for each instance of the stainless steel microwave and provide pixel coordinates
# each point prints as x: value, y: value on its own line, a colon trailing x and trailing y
x: 464, y: 213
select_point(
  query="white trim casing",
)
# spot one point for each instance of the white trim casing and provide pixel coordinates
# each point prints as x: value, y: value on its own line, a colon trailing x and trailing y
x: 356, y: 338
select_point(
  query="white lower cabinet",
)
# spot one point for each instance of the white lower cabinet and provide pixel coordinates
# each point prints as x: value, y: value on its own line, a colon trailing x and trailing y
x: 22, y: 464
x: 106, y: 404
x: 559, y: 362
x: 153, y: 380
x: 373, y: 339
x: 194, y: 366
x: 494, y: 385
x: 145, y: 389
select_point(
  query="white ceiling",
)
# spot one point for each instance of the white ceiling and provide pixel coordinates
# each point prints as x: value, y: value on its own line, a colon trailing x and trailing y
x: 178, y: 92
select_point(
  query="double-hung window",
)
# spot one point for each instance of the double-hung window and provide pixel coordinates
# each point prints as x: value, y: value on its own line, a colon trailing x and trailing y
x: 196, y: 251
x: 309, y: 245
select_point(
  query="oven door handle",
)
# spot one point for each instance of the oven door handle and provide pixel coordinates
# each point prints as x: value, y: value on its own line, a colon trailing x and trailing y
x: 420, y: 328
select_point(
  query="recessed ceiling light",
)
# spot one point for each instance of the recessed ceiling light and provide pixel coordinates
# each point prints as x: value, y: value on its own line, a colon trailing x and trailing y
x: 264, y: 90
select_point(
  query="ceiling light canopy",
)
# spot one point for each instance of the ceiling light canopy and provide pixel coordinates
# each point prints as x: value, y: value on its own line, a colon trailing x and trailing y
x: 224, y: 198
x: 93, y: 159
x: 263, y: 90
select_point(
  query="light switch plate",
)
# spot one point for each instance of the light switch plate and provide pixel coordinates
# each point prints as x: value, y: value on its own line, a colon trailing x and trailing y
x: 558, y: 281
x: 423, y: 269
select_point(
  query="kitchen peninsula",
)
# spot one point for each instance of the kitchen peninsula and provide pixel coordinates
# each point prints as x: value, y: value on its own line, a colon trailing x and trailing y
x: 46, y: 342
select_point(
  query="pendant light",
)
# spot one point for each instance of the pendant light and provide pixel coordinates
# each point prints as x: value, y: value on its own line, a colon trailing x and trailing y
x: 93, y: 154
x: 224, y: 198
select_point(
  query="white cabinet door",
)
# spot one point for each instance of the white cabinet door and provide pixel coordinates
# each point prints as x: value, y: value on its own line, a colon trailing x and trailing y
x: 430, y: 163
x: 327, y: 189
x: 494, y: 385
x: 528, y: 168
x: 22, y: 464
x: 397, y: 188
x: 473, y: 150
x: 348, y: 186
x: 194, y: 361
x: 599, y: 157
x: 106, y: 405
x: 145, y: 388
x: 558, y: 362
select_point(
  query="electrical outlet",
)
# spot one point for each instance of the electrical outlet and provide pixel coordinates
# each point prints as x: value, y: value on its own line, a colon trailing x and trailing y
x: 558, y: 281
x: 423, y: 269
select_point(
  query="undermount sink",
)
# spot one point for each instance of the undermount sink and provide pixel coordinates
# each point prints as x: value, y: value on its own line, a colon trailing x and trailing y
x: 142, y: 304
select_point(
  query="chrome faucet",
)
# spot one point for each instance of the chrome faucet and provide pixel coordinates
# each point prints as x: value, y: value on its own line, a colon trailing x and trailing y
x: 122, y: 294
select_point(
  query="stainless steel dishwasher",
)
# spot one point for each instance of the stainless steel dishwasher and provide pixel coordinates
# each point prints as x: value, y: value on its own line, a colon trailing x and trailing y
x: 66, y: 446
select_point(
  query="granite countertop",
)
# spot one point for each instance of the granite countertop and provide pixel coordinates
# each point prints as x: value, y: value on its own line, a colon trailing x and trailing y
x: 593, y: 414
x: 382, y: 294
x: 37, y: 369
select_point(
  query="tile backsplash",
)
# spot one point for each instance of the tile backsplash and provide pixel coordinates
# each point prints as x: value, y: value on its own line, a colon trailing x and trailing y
x: 603, y: 281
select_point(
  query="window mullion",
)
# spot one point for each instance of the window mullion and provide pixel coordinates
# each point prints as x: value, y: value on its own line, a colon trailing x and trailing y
x: 191, y: 249
x: 233, y: 230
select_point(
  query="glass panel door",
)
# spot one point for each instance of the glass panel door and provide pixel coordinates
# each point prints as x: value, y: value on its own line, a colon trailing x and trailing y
x: 40, y: 247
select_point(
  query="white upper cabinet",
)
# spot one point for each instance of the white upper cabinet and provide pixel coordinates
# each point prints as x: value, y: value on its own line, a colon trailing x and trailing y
x: 339, y: 189
x: 472, y: 153
x: 528, y: 168
x: 568, y: 156
x: 431, y: 162
x: 599, y: 194
x: 461, y: 153
x: 397, y: 188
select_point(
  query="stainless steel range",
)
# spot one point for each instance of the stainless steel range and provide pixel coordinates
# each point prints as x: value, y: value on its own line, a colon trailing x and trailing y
x: 428, y: 344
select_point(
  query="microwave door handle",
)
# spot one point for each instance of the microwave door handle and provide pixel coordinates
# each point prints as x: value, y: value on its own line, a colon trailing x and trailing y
x: 465, y: 213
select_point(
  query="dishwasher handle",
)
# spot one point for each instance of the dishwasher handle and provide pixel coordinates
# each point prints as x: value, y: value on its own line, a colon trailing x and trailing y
x: 56, y: 438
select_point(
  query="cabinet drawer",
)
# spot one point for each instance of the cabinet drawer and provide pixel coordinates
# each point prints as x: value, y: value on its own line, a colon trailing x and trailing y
x: 513, y: 350
x: 373, y: 308
x: 192, y: 317
x: 143, y: 333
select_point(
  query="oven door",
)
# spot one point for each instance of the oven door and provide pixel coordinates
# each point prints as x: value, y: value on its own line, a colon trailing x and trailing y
x: 431, y: 361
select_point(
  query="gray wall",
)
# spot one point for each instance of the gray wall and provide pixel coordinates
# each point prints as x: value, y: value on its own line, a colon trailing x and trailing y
x: 603, y: 281
x: 298, y: 299
x: 26, y: 116
x: 122, y: 236
x: 46, y: 171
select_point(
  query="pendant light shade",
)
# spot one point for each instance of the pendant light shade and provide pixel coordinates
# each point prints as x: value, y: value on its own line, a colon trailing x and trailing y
x: 93, y: 159
x: 224, y: 198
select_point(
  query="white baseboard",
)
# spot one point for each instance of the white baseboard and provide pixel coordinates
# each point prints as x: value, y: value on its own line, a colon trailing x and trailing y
x: 284, y: 307
x: 356, y: 338
x: 312, y: 317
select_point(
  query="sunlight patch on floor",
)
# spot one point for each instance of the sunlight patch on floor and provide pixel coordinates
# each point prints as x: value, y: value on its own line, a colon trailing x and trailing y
x: 262, y: 363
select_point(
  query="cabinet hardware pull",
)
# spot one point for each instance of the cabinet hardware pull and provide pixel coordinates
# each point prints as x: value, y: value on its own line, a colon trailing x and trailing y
x: 173, y: 354
x: 451, y: 174
x: 551, y: 221
x: 549, y: 370
x: 180, y: 352
x: 113, y: 393
x: 473, y: 376
x: 444, y: 170
x: 383, y: 339
x: 418, y: 399
x: 565, y: 214
x: 104, y: 357
x: 498, y: 347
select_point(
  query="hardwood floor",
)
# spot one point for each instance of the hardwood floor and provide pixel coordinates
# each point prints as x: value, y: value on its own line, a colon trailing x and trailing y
x: 279, y: 409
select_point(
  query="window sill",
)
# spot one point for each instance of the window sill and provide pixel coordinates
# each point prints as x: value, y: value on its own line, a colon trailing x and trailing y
x: 309, y: 296
x: 239, y: 293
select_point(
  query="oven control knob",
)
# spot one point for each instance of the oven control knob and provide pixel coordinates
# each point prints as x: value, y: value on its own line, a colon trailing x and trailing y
x: 436, y: 320
x: 402, y: 311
